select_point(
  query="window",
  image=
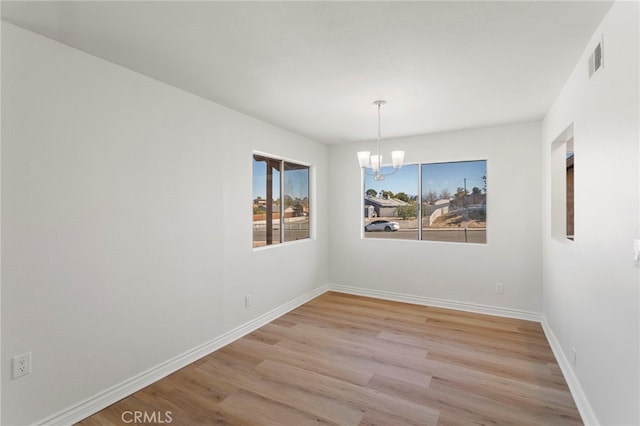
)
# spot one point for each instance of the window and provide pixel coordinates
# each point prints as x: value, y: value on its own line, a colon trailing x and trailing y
x: 432, y: 202
x: 273, y: 220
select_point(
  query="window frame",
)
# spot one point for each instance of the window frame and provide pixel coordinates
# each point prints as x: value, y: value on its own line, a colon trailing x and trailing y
x: 281, y: 189
x: 420, y: 204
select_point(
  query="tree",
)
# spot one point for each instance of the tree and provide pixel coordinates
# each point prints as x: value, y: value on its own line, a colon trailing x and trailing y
x: 288, y: 201
x: 459, y: 197
x: 431, y: 196
x: 476, y: 196
x: 405, y: 212
x: 386, y: 194
x: 371, y: 192
x: 402, y: 197
x: 445, y: 194
x: 298, y: 209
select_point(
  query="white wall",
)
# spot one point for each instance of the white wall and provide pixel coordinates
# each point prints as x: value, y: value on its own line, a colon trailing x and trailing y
x: 1, y: 91
x: 463, y: 273
x: 126, y: 235
x: 591, y: 285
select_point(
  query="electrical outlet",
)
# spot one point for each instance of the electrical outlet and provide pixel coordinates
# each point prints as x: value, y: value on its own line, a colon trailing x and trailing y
x: 248, y: 301
x: 499, y: 288
x: 21, y: 365
x: 574, y: 357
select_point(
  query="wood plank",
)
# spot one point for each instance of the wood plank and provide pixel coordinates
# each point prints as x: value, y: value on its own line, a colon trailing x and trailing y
x: 311, y: 361
x: 361, y: 396
x: 256, y: 410
x: 349, y: 360
x: 285, y: 393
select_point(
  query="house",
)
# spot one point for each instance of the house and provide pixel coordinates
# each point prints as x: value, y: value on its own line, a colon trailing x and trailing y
x: 126, y: 235
x: 383, y: 206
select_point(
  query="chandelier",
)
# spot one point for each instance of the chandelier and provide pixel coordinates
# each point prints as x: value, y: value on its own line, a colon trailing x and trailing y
x: 372, y: 164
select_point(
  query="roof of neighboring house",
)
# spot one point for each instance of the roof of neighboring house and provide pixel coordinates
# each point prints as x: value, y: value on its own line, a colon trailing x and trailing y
x: 385, y: 202
x: 275, y: 207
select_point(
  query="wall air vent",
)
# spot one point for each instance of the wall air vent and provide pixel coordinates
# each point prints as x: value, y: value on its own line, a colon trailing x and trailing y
x: 596, y: 59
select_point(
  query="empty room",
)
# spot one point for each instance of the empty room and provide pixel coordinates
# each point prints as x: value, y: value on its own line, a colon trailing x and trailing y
x: 444, y: 224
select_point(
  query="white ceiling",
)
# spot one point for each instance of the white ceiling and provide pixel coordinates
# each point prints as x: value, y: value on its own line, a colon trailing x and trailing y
x: 316, y: 67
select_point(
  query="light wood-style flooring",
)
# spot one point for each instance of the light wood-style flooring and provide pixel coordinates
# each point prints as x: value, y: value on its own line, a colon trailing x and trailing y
x: 349, y: 360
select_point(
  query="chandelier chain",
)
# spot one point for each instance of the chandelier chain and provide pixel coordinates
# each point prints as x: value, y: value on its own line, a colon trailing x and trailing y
x: 379, y: 127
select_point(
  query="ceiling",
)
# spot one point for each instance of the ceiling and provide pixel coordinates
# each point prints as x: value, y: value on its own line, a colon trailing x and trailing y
x: 315, y: 68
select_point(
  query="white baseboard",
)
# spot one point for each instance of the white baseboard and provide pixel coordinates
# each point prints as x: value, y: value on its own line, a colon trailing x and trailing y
x: 440, y: 303
x: 584, y: 407
x: 111, y: 395
x: 115, y: 393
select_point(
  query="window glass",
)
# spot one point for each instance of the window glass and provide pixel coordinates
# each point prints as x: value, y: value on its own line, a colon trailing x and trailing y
x: 296, y: 201
x: 273, y: 220
x: 454, y: 201
x: 391, y: 205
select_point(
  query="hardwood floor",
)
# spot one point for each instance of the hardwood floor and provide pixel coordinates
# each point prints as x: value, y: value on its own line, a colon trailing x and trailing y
x: 350, y: 360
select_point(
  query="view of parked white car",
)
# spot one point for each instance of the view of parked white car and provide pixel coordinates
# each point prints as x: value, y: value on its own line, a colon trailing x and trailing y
x: 382, y: 225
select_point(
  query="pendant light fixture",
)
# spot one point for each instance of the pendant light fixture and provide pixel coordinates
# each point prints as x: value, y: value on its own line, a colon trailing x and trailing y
x: 372, y: 164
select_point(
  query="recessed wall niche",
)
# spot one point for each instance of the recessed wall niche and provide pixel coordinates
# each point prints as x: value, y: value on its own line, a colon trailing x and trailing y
x: 563, y: 186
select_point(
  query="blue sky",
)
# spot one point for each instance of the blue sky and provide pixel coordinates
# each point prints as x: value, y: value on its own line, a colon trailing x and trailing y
x: 259, y: 178
x: 406, y: 180
x: 435, y: 176
x: 296, y: 182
